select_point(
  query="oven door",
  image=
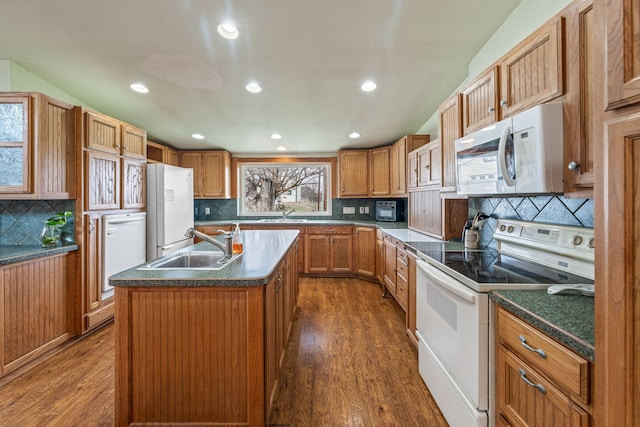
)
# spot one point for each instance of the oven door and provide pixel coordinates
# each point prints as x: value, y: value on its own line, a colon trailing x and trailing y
x: 453, y: 325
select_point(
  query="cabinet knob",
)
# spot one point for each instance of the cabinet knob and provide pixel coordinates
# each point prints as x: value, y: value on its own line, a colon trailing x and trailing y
x: 573, y: 166
x: 491, y: 109
x: 503, y: 103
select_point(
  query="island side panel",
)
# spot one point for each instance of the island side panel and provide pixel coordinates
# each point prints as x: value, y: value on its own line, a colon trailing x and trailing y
x: 190, y: 355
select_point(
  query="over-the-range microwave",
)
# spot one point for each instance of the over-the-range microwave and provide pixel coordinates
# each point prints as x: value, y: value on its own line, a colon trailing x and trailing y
x: 522, y: 154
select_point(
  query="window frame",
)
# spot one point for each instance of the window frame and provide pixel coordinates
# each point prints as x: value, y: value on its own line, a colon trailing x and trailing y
x: 238, y: 187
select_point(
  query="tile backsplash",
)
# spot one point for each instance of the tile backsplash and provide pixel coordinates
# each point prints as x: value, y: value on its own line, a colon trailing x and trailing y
x: 21, y: 221
x: 547, y: 208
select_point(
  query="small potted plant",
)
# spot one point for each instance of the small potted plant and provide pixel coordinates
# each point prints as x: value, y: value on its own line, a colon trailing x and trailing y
x: 50, y: 236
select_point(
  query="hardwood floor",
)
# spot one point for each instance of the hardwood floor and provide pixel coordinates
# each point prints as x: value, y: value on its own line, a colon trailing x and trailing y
x: 348, y: 363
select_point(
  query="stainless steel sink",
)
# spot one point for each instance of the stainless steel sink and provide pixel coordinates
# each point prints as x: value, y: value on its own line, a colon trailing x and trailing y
x: 194, y: 260
x: 285, y: 220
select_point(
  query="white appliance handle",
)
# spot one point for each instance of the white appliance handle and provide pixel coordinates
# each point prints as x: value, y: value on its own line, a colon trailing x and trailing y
x: 167, y: 246
x: 447, y: 282
x: 124, y: 221
x: 502, y: 146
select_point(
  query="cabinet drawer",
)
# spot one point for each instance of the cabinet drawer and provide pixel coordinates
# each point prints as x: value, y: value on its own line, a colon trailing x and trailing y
x: 323, y: 229
x: 398, y: 243
x: 568, y: 371
x: 402, y: 292
x: 402, y: 268
x: 402, y: 255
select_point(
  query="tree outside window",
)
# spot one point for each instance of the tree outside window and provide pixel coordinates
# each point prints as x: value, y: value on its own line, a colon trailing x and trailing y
x: 269, y: 188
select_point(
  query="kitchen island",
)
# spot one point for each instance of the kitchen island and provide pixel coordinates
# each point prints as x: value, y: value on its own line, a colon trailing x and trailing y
x: 203, y: 347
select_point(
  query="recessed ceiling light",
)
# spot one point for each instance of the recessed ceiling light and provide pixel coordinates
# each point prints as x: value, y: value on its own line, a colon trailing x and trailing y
x: 281, y: 148
x: 197, y: 136
x: 253, y: 87
x: 228, y: 31
x: 139, y: 87
x: 354, y: 135
x: 276, y: 136
x: 368, y: 86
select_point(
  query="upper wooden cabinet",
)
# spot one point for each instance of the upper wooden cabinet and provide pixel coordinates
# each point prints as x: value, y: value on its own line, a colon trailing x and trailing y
x: 158, y: 153
x: 532, y: 72
x: 211, y: 173
x: 424, y: 166
x: 115, y: 164
x: 480, y: 101
x: 622, y: 53
x: 450, y: 113
x: 37, y: 147
x: 353, y: 173
x: 430, y: 214
x: 379, y: 172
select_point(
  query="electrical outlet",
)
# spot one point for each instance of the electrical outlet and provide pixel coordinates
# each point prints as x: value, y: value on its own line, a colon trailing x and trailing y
x: 361, y: 209
x: 348, y: 210
x: 207, y: 211
x: 366, y: 209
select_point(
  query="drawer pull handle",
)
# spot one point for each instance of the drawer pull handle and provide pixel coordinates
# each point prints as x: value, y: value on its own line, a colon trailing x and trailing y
x: 540, y: 352
x: 540, y: 387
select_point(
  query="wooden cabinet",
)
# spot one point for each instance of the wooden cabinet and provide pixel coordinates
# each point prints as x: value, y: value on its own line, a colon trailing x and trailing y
x: 412, y: 170
x: 532, y: 72
x: 36, y: 300
x: 398, y: 168
x: 437, y: 217
x: 411, y: 299
x: 115, y: 164
x: 480, y: 101
x: 365, y: 246
x: 172, y: 157
x: 379, y: 256
x: 211, y: 173
x: 379, y: 184
x: 450, y: 119
x: 37, y: 147
x: 429, y: 164
x: 329, y: 249
x: 396, y: 270
x: 158, y: 153
x: 353, y: 173
x: 538, y: 381
x: 622, y: 47
x: 584, y: 103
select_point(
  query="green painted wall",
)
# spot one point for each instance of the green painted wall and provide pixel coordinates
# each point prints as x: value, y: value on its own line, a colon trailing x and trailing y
x: 524, y: 20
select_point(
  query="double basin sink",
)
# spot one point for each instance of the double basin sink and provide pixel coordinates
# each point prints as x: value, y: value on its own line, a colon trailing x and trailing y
x: 192, y: 260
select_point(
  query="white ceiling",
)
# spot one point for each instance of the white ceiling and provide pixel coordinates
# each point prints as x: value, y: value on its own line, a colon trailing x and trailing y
x: 309, y: 56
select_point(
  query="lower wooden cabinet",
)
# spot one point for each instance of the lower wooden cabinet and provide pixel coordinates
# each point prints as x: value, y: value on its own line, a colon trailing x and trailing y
x: 379, y: 256
x: 396, y: 270
x: 365, y: 245
x: 437, y: 217
x: 539, y: 382
x: 37, y: 299
x: 411, y: 299
x: 329, y: 249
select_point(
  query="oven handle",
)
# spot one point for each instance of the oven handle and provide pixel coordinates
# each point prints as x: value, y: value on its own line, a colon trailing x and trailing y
x: 446, y: 282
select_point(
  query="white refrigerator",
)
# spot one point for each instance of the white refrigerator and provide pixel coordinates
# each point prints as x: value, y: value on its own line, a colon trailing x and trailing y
x: 169, y: 209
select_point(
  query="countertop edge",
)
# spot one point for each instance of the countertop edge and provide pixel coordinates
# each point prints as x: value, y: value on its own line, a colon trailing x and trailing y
x: 26, y: 253
x: 569, y: 340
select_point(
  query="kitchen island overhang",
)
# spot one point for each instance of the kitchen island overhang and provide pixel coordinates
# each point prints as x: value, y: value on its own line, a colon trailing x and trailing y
x: 203, y: 347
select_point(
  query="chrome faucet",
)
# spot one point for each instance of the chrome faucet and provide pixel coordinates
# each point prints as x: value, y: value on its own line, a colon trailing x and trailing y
x: 285, y: 214
x: 226, y: 247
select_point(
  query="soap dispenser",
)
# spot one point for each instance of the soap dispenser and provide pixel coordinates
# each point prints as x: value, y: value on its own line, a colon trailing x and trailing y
x: 237, y: 240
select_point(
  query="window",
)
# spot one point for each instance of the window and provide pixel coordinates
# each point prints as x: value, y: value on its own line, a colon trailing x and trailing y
x: 268, y: 188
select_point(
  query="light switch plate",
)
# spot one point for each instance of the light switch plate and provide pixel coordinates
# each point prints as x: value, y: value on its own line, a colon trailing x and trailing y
x: 348, y: 210
x: 207, y: 210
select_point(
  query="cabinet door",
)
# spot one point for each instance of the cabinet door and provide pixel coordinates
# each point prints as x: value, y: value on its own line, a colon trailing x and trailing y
x: 526, y: 398
x: 15, y: 145
x: 532, y: 72
x: 172, y: 157
x: 341, y: 254
x: 429, y: 161
x: 215, y: 170
x: 398, y: 167
x: 583, y: 104
x: 194, y: 161
x: 450, y: 113
x: 103, y: 133
x: 134, y: 142
x: 271, y: 340
x: 134, y: 174
x: 380, y: 260
x: 317, y: 253
x: 92, y: 264
x: 480, y: 101
x: 352, y: 171
x: 365, y: 264
x: 103, y: 181
x: 412, y: 169
x: 56, y: 150
x: 623, y: 60
x: 425, y: 212
x: 390, y: 259
x: 411, y: 299
x: 379, y: 172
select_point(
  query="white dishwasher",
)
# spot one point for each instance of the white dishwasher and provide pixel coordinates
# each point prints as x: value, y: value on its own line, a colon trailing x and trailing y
x: 124, y: 241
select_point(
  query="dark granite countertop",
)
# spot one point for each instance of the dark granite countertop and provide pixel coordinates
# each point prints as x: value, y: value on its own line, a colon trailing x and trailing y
x: 568, y: 318
x: 263, y: 251
x: 358, y: 223
x: 10, y: 254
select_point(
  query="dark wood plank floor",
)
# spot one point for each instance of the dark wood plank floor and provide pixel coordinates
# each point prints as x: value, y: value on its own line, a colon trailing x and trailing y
x: 348, y: 363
